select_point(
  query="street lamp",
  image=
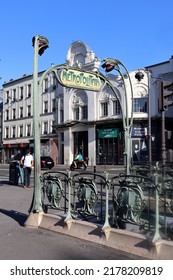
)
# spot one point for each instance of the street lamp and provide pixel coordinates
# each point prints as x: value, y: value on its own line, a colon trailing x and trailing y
x: 40, y: 44
x: 110, y: 64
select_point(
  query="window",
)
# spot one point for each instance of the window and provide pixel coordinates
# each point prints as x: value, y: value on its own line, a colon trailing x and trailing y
x: 7, y: 132
x: 13, y: 131
x: 14, y: 95
x: 7, y: 97
x: 62, y: 137
x: 21, y: 131
x: 53, y: 127
x: 80, y: 105
x: 21, y: 112
x: 29, y: 110
x: 61, y: 110
x: 54, y: 82
x: 140, y: 105
x: 21, y: 93
x: 53, y: 105
x: 45, y: 106
x: 46, y: 85
x: 29, y: 91
x: 45, y: 127
x: 28, y: 130
x: 14, y: 114
x: 116, y: 108
x: 7, y: 115
x: 104, y: 109
x: 76, y: 113
x: 84, y: 111
x: 61, y: 113
x: 80, y: 112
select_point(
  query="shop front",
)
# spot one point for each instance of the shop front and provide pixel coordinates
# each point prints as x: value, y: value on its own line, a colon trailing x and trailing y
x: 109, y: 146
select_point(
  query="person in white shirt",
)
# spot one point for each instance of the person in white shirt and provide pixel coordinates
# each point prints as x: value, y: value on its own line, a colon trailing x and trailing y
x: 28, y: 162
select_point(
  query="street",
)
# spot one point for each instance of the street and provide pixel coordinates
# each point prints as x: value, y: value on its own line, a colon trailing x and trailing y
x: 20, y: 243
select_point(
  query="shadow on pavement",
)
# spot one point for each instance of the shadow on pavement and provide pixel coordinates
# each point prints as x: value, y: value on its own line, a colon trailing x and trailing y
x: 17, y: 216
x: 8, y: 184
x: 3, y: 182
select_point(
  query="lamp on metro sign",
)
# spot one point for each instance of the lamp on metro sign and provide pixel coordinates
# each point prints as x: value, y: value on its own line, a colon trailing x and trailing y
x: 108, y: 66
x: 43, y: 44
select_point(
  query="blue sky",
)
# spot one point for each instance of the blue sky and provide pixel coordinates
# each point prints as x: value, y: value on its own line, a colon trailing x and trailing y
x: 138, y: 33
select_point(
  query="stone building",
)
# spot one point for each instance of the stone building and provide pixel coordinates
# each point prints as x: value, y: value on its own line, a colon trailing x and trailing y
x: 78, y: 119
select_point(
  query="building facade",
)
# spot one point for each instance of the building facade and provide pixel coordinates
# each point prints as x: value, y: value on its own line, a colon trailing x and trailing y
x: 76, y: 119
x: 1, y: 124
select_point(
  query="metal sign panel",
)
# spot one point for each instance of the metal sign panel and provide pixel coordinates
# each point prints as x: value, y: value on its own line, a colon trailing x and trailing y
x: 139, y: 131
x: 80, y: 79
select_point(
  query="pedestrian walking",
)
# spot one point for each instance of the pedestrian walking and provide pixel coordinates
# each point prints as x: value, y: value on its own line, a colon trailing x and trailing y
x: 27, y: 161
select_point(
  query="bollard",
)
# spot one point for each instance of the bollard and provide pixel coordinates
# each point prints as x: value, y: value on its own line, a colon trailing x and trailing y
x: 105, y: 161
x: 94, y: 171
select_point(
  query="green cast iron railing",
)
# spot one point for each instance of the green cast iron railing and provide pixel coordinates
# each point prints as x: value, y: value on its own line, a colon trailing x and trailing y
x: 141, y: 201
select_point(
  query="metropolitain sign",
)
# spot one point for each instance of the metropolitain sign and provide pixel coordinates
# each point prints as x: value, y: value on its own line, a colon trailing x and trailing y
x: 80, y: 79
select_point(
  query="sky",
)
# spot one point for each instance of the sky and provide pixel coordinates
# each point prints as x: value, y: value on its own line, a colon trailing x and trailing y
x: 138, y: 33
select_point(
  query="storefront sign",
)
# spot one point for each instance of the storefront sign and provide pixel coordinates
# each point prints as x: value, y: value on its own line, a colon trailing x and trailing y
x: 80, y: 79
x: 108, y: 133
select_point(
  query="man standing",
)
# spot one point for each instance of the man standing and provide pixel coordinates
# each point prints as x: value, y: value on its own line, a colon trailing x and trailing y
x: 28, y: 162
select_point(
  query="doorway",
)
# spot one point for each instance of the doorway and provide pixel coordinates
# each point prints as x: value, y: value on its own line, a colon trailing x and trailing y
x: 139, y: 151
x: 107, y: 151
x: 81, y: 143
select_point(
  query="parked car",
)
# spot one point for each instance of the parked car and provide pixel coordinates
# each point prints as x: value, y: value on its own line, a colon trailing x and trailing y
x: 46, y: 161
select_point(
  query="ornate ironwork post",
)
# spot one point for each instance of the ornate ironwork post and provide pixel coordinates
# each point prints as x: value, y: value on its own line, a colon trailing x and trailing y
x: 69, y: 217
x: 40, y: 43
x: 157, y: 226
x: 106, y: 224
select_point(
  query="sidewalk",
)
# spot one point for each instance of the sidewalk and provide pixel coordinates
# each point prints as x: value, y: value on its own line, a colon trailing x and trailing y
x: 122, y: 240
x: 21, y: 243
